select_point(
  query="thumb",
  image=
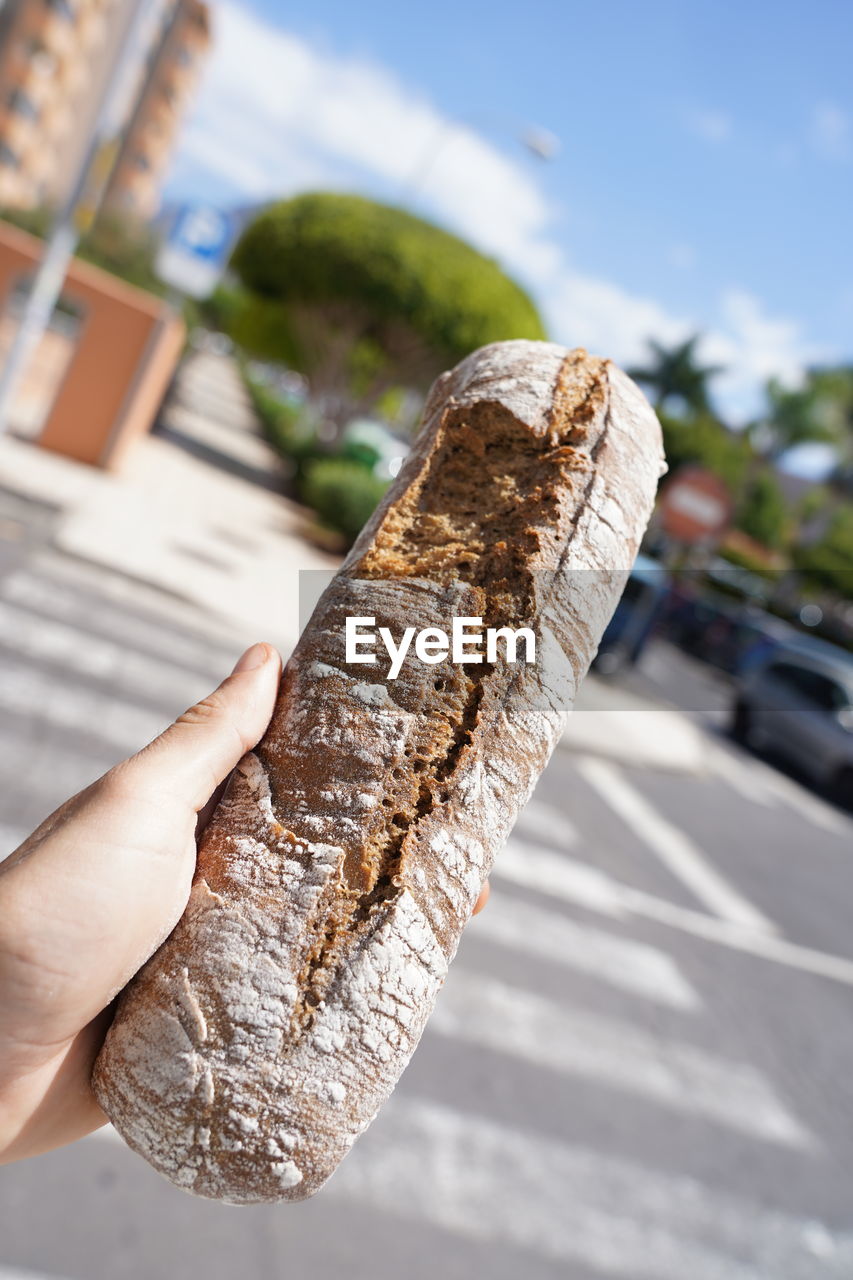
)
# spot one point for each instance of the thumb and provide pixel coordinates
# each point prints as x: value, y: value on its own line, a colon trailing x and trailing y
x: 198, y: 751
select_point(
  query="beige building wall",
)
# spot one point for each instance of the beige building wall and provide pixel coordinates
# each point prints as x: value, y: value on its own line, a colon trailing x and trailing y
x: 171, y: 78
x: 51, y: 60
x: 55, y: 56
x: 101, y: 382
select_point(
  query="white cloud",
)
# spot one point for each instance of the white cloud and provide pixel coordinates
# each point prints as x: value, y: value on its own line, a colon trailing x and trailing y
x: 753, y: 346
x: 831, y: 132
x: 711, y: 125
x: 277, y: 115
x: 585, y: 311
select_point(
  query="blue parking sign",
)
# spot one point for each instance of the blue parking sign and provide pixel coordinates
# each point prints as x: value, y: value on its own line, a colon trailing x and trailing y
x: 203, y: 232
x: 194, y: 254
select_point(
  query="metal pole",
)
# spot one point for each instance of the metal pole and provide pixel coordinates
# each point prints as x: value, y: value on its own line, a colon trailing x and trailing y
x: 50, y: 275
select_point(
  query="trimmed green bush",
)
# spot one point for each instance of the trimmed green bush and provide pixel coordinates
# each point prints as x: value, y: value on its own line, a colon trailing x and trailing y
x: 342, y: 492
x: 363, y: 298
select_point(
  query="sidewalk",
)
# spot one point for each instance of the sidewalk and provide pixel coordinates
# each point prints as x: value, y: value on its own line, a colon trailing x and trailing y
x: 198, y: 515
x: 610, y: 721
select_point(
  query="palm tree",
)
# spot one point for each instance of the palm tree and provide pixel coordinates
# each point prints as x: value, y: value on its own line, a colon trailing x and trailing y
x: 821, y: 410
x: 674, y: 374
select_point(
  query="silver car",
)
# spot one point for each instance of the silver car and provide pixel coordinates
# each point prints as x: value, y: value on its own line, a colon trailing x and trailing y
x: 799, y: 704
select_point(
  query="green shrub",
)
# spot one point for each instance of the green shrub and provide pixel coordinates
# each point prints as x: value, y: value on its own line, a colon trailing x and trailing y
x: 829, y: 563
x: 742, y: 558
x: 360, y: 297
x: 286, y: 426
x: 342, y: 492
x: 763, y: 512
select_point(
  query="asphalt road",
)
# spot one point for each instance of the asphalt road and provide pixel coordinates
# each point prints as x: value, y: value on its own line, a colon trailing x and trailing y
x: 639, y: 1066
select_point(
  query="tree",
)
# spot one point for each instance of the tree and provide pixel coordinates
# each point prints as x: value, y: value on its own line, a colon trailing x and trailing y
x: 820, y: 410
x: 763, y: 513
x: 675, y: 376
x: 704, y: 440
x: 360, y: 297
x: 829, y: 562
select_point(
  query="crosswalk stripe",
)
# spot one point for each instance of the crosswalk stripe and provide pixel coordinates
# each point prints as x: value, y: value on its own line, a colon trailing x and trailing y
x: 488, y: 1182
x: 58, y: 599
x: 33, y: 694
x: 754, y: 773
x: 541, y: 820
x: 490, y: 1014
x: 543, y: 870
x: 584, y: 886
x: 88, y: 655
x: 672, y: 846
x: 747, y: 782
x: 620, y: 962
x: 18, y: 1273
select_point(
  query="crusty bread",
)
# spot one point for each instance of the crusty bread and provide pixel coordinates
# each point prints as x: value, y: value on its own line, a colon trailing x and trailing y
x: 339, y: 870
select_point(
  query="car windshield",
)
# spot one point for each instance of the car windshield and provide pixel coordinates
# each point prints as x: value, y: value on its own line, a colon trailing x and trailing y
x: 822, y: 690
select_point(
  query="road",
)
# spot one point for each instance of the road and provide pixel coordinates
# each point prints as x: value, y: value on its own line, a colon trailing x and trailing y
x: 639, y: 1066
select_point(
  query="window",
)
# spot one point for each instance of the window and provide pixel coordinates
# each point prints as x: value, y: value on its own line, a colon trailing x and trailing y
x: 820, y: 690
x: 22, y: 105
x: 832, y: 695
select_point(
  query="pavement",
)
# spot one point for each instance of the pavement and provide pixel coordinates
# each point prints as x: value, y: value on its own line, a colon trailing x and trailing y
x: 197, y: 512
x: 639, y: 1065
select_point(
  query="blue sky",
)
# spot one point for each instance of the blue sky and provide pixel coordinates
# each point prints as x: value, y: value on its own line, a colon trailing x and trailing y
x: 704, y: 181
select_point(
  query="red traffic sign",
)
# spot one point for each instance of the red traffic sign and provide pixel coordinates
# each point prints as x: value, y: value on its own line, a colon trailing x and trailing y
x: 695, y: 506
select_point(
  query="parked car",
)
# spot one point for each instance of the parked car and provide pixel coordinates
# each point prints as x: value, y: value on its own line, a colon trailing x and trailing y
x: 798, y: 703
x: 729, y: 635
x: 635, y: 616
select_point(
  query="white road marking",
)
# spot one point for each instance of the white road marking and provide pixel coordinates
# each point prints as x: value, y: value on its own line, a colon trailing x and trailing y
x: 491, y: 1014
x: 491, y: 1183
x: 584, y: 886
x: 747, y: 782
x: 674, y: 848
x: 53, y: 773
x: 109, y: 618
x: 811, y: 807
x: 34, y: 694
x: 620, y: 962
x: 547, y: 872
x: 18, y: 1273
x: 76, y: 651
x: 545, y: 823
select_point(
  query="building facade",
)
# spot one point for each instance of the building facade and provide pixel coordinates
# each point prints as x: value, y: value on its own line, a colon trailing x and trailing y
x: 55, y: 57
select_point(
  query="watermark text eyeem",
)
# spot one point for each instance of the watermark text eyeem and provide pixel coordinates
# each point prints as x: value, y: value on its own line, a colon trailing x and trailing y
x: 469, y: 641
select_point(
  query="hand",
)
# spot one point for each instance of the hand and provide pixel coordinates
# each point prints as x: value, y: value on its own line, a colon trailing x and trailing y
x: 92, y: 893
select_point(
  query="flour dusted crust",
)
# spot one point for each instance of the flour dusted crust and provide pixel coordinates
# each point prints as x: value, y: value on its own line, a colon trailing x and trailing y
x: 338, y: 871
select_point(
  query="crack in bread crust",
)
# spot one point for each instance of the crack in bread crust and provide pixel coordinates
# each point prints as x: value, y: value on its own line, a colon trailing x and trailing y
x: 436, y: 532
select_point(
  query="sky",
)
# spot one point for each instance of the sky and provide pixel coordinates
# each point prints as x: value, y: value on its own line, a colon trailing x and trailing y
x: 703, y: 182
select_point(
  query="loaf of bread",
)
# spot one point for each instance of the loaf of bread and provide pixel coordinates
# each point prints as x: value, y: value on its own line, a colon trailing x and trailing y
x: 346, y: 855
